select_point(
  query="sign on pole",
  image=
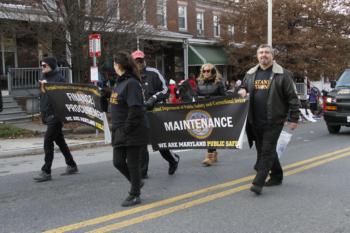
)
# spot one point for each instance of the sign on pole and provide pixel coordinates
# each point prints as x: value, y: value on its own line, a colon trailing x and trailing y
x: 95, y: 45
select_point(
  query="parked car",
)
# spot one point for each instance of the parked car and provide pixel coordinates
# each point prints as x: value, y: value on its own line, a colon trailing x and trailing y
x: 337, y: 104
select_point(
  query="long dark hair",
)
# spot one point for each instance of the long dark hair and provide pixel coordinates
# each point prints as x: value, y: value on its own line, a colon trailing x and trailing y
x: 124, y: 59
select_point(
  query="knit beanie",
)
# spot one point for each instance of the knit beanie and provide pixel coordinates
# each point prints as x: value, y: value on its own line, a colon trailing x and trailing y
x: 51, y: 61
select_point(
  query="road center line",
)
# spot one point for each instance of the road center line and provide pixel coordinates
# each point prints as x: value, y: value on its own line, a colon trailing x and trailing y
x: 168, y: 201
x: 212, y: 197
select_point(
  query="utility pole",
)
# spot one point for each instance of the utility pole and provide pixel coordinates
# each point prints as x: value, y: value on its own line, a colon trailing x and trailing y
x: 269, y: 22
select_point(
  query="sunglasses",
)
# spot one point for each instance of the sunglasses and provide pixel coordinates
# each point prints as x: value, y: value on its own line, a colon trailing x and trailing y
x: 206, y: 71
x: 44, y: 65
x: 139, y: 61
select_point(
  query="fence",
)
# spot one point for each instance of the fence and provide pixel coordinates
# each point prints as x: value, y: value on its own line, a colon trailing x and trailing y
x: 27, y: 78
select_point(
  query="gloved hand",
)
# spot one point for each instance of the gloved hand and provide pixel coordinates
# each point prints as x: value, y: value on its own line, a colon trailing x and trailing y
x: 149, y: 104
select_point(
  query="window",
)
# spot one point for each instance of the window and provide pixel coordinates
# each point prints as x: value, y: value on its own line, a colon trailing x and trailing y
x: 161, y: 13
x: 216, y: 26
x: 182, y: 10
x: 200, y: 23
x: 114, y: 8
x: 140, y: 10
x: 231, y: 31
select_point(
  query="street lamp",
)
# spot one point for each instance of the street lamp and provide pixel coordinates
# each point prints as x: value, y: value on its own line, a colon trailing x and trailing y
x: 269, y: 22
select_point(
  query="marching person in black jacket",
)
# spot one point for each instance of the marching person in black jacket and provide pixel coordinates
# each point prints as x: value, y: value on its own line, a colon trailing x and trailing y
x: 273, y: 101
x: 209, y: 85
x: 155, y: 91
x: 52, y: 74
x: 129, y: 125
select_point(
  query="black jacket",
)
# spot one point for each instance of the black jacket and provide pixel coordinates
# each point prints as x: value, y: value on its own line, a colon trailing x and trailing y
x: 154, y: 84
x: 129, y: 126
x: 46, y: 109
x: 210, y: 88
x: 282, y: 101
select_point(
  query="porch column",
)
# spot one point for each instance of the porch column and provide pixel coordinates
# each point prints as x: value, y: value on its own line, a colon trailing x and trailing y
x: 185, y: 47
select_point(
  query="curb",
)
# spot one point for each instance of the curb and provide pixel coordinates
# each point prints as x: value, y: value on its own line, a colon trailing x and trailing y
x: 40, y: 150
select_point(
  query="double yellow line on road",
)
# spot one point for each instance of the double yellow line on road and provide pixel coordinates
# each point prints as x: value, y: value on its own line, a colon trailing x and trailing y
x: 299, y: 167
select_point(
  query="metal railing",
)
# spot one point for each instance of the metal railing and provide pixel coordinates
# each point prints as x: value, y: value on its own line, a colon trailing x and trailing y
x: 28, y: 78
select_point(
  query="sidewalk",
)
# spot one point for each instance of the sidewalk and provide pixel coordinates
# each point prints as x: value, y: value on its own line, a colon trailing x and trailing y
x: 77, y: 137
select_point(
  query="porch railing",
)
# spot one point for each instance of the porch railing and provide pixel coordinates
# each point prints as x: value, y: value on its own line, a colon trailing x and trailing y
x: 28, y: 78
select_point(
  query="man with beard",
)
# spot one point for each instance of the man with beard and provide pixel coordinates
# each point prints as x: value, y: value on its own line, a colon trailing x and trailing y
x: 273, y: 101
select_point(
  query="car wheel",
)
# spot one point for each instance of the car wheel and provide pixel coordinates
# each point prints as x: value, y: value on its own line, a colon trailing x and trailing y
x: 333, y: 129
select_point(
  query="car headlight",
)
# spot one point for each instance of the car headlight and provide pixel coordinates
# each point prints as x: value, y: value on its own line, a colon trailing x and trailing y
x: 331, y: 100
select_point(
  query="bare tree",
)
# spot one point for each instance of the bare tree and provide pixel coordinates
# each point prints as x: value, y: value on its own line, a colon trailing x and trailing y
x: 69, y: 22
x: 312, y: 38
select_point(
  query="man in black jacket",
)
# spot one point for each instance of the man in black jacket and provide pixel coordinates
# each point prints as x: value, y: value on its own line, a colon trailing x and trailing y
x: 273, y: 101
x: 52, y: 74
x: 155, y: 90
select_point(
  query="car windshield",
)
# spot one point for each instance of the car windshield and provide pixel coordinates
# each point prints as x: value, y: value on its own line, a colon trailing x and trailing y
x: 344, y: 80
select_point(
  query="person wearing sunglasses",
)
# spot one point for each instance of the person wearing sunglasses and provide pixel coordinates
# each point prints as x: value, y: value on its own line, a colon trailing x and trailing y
x: 155, y: 91
x: 52, y: 74
x: 209, y: 85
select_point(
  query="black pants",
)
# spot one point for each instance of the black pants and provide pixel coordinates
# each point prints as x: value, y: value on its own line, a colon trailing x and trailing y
x: 127, y: 161
x: 267, y: 158
x: 54, y: 134
x: 165, y: 153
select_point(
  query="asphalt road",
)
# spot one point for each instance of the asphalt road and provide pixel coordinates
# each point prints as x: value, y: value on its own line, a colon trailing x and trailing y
x: 314, y: 197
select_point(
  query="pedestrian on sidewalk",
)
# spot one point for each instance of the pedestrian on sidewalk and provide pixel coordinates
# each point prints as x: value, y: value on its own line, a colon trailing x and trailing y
x: 52, y: 74
x: 209, y: 85
x: 273, y: 101
x: 1, y: 100
x: 155, y: 91
x: 129, y: 126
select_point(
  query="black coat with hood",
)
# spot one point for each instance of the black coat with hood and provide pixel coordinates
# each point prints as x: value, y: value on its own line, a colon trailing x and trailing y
x: 46, y: 109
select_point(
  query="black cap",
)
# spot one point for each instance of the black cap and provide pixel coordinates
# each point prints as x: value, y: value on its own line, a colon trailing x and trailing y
x: 51, y: 61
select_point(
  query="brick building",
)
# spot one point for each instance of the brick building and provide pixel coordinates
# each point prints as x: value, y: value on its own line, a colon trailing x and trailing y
x: 182, y: 35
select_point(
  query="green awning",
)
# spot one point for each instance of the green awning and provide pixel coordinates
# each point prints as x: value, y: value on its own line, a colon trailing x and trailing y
x: 198, y: 55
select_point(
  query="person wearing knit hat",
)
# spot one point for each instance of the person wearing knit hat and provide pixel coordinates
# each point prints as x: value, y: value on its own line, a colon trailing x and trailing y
x: 50, y: 61
x: 52, y: 74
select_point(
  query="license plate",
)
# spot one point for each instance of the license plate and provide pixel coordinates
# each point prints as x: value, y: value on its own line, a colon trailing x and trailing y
x: 348, y: 118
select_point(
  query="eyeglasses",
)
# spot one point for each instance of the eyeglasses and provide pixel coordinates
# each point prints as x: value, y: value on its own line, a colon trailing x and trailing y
x: 44, y: 65
x: 206, y: 71
x: 139, y: 61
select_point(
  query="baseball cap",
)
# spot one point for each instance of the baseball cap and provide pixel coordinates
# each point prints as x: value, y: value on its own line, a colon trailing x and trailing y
x: 138, y: 54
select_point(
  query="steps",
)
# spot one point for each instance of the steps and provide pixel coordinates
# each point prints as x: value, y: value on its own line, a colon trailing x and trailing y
x: 12, y: 112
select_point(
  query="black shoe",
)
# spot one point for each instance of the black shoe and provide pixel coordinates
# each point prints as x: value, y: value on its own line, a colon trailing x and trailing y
x: 173, y: 166
x: 70, y: 171
x: 42, y: 177
x: 256, y: 189
x: 145, y: 176
x: 273, y: 182
x: 131, y: 201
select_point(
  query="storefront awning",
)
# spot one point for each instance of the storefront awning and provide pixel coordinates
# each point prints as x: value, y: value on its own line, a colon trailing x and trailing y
x: 198, y: 55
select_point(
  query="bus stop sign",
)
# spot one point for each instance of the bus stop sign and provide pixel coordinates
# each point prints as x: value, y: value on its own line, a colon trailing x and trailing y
x: 95, y: 45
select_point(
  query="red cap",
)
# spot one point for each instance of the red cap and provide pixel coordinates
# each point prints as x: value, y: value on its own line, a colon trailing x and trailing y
x: 138, y: 54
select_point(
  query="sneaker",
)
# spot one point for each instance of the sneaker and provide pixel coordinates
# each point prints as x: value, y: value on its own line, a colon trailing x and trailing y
x: 173, y: 166
x: 273, y: 182
x: 42, y: 177
x: 256, y: 189
x: 131, y: 201
x: 70, y: 171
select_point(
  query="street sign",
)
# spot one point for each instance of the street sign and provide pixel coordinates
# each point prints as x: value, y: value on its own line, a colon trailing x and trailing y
x: 95, y: 45
x: 93, y: 74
